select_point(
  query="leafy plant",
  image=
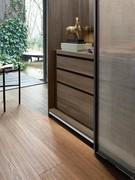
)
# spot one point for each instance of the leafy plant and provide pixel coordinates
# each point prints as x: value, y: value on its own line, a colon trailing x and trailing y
x: 6, y: 59
x: 35, y: 43
x: 13, y: 33
x: 13, y: 8
x: 13, y: 37
x: 18, y: 6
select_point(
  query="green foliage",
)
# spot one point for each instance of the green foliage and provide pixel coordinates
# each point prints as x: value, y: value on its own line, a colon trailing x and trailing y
x: 13, y: 41
x: 18, y: 6
x: 13, y: 37
x: 6, y: 59
x: 13, y: 34
x: 35, y: 43
x: 15, y: 8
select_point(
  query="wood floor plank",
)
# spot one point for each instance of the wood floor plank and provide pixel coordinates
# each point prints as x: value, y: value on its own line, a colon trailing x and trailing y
x: 57, y: 139
x: 70, y: 171
x: 8, y: 170
x: 39, y: 155
x: 12, y: 151
x: 62, y: 172
x: 34, y: 147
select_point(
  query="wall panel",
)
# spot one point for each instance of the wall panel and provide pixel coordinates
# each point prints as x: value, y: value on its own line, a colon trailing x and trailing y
x: 62, y: 13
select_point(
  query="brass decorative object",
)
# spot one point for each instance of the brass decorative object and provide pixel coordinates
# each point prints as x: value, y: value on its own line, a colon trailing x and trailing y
x: 75, y: 30
x: 77, y: 33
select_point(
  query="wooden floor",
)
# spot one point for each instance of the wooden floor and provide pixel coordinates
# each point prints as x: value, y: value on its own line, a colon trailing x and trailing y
x: 34, y: 147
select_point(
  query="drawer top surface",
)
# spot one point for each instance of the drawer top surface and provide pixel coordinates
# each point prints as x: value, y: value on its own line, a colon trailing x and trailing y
x: 83, y: 55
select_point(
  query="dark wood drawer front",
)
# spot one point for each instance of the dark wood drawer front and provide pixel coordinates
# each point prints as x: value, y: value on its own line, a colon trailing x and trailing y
x: 83, y: 83
x: 76, y: 104
x: 81, y: 66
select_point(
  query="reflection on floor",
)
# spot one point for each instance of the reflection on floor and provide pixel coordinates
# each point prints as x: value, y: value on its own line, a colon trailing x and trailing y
x: 34, y: 147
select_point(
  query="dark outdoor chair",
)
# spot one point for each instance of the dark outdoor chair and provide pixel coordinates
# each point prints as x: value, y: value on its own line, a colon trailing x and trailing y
x: 7, y: 69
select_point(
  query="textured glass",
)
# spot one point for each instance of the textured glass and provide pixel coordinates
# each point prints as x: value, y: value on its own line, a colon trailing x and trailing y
x: 117, y: 81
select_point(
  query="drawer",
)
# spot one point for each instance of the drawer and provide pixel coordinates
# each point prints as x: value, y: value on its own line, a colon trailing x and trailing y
x: 77, y: 81
x: 76, y: 104
x: 82, y: 66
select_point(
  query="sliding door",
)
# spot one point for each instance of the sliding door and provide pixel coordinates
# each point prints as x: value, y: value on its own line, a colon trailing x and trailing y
x: 115, y: 116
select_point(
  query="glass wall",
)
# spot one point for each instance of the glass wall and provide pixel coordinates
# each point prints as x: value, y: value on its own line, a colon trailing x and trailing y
x: 117, y: 81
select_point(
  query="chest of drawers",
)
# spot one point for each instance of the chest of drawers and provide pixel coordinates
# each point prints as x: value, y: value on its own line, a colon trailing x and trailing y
x: 75, y: 90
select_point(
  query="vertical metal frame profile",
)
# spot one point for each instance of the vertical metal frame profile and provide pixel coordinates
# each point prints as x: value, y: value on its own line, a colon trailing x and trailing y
x: 98, y: 153
x: 45, y: 40
x: 96, y: 54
